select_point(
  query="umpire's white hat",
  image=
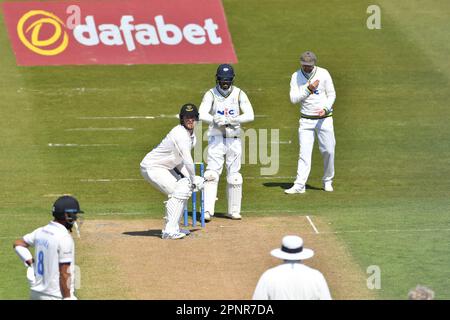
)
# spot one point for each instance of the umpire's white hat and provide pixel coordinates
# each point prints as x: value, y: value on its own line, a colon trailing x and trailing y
x: 292, y: 249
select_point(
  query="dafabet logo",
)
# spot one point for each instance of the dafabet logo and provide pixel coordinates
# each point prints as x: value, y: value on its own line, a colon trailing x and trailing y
x: 29, y: 30
x: 124, y: 32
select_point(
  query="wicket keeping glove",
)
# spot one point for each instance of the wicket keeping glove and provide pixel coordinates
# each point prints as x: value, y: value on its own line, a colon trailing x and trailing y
x: 198, y: 183
x: 220, y: 120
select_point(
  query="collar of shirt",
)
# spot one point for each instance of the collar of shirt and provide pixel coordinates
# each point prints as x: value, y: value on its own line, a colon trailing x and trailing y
x: 224, y: 93
x: 59, y: 226
x: 309, y: 75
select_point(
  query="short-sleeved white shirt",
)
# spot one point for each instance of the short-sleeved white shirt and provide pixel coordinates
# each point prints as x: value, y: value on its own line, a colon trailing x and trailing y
x: 53, y: 245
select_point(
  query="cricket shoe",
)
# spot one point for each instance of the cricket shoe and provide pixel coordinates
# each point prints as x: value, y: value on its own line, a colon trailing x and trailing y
x: 208, y: 216
x: 296, y: 188
x: 235, y: 216
x: 173, y: 236
x: 185, y: 231
x: 327, y: 186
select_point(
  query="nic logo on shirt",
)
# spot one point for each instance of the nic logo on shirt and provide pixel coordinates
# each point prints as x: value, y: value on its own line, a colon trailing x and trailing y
x: 227, y: 112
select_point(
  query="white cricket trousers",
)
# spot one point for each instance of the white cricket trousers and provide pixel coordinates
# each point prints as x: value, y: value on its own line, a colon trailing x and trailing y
x: 222, y: 149
x: 327, y: 143
x: 162, y: 179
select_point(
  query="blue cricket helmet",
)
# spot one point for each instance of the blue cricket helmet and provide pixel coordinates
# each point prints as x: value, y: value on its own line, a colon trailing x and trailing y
x: 225, y: 71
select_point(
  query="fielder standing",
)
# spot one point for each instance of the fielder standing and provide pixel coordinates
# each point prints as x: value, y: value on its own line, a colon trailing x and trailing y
x: 312, y: 88
x: 224, y: 107
x: 51, y: 273
x: 160, y: 168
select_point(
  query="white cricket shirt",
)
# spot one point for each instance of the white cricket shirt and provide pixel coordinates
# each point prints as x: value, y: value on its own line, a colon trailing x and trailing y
x: 292, y: 281
x: 231, y: 106
x: 322, y: 98
x: 53, y: 245
x: 173, y: 151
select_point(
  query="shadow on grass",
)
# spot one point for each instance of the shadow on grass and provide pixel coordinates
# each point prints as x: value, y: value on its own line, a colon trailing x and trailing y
x: 149, y: 233
x: 287, y: 185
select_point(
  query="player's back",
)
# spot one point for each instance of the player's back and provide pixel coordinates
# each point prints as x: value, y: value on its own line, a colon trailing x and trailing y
x: 295, y: 281
x: 53, y: 245
x: 166, y: 154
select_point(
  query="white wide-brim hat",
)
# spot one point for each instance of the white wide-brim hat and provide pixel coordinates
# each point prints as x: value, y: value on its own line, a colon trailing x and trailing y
x: 292, y: 249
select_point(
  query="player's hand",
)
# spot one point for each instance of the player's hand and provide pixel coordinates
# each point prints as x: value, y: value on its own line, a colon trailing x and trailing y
x: 321, y: 112
x: 31, y: 277
x: 221, y: 120
x: 198, y: 183
x: 218, y: 119
x: 313, y: 86
x: 234, y: 121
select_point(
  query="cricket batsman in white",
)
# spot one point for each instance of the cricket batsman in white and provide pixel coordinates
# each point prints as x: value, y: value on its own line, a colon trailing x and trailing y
x: 51, y: 272
x: 312, y: 88
x: 170, y: 169
x: 224, y: 107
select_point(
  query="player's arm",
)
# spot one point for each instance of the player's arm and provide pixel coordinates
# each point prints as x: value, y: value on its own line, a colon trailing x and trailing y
x: 65, y: 259
x: 247, y: 110
x: 188, y: 162
x: 183, y: 147
x: 182, y: 169
x: 21, y: 246
x: 331, y: 96
x: 300, y: 93
x: 64, y: 279
x: 21, y: 249
x: 205, y: 108
x: 330, y: 92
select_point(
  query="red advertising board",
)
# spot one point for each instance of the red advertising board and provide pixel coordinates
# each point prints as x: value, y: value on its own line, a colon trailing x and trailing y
x: 119, y: 32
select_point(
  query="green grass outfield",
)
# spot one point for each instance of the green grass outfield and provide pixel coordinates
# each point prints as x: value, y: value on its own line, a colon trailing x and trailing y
x: 392, y: 198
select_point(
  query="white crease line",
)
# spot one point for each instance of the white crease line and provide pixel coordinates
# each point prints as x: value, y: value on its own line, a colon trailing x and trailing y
x: 270, y: 177
x: 80, y: 145
x: 388, y: 230
x: 100, y: 129
x: 121, y: 213
x: 312, y: 225
x: 129, y: 117
x: 51, y: 195
x: 175, y: 116
x: 282, y: 142
x: 110, y: 180
x: 135, y: 179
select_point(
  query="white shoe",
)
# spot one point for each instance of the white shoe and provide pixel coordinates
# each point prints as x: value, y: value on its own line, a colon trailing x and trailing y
x: 328, y: 187
x: 208, y: 216
x: 296, y: 188
x: 173, y: 236
x: 185, y: 231
x: 235, y: 216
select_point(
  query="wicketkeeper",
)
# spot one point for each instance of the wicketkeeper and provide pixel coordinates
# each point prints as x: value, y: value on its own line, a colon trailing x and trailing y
x: 224, y: 107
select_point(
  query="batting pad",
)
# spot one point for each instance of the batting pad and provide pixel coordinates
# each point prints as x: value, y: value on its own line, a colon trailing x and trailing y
x: 174, y: 210
x: 234, y: 193
x: 210, y: 190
